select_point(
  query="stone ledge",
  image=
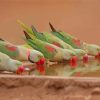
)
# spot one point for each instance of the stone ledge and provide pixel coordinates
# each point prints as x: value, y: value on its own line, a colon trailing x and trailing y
x: 46, y: 87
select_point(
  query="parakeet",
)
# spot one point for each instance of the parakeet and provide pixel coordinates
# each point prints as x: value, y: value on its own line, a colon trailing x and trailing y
x: 44, y: 36
x: 20, y: 52
x: 23, y: 54
x: 50, y: 38
x: 76, y: 43
x: 91, y: 49
x: 51, y: 52
x: 8, y: 64
x: 34, y: 56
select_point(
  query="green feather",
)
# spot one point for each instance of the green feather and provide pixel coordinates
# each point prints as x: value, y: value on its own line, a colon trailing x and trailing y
x: 65, y: 39
x: 48, y: 37
x: 37, y: 34
x: 4, y: 49
x: 25, y: 27
x: 40, y: 46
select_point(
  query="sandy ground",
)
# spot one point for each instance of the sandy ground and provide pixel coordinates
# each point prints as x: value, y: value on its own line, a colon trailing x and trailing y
x: 78, y: 17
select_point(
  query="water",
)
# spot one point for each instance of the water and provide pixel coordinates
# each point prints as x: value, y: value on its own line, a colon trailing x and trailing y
x: 92, y: 69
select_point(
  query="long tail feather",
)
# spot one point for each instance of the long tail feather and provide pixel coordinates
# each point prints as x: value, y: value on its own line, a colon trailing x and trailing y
x: 26, y: 35
x: 52, y: 28
x: 1, y: 39
x: 25, y: 27
x: 34, y: 29
x: 37, y: 34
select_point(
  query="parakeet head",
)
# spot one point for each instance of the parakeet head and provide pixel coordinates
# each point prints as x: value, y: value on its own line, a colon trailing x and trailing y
x: 68, y: 54
x: 71, y: 56
x: 40, y: 65
x: 38, y: 58
x: 80, y: 52
x: 35, y: 56
x: 20, y: 69
x: 91, y: 49
x: 17, y: 66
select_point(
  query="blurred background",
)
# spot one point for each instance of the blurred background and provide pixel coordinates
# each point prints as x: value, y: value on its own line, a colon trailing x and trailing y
x: 78, y: 17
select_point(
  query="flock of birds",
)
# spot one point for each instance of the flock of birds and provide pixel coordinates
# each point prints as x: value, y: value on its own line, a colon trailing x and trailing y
x: 54, y: 46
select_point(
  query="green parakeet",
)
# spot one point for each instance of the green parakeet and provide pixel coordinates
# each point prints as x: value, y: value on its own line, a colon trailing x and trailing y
x: 20, y: 52
x: 47, y: 37
x: 8, y: 64
x: 24, y: 54
x: 50, y: 38
x: 50, y: 51
x: 76, y: 43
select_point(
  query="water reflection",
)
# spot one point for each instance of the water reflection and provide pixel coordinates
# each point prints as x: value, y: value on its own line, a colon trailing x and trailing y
x: 62, y: 69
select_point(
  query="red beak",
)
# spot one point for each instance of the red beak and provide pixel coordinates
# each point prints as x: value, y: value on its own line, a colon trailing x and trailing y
x: 41, y: 61
x: 85, y: 59
x: 73, y: 62
x: 40, y: 66
x: 98, y: 56
x: 20, y: 70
